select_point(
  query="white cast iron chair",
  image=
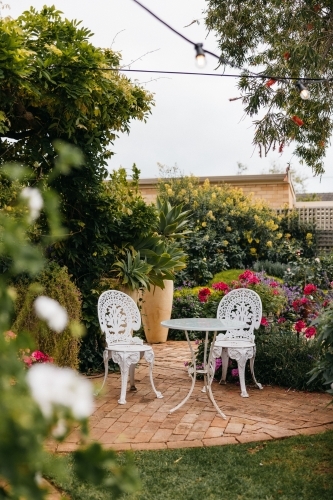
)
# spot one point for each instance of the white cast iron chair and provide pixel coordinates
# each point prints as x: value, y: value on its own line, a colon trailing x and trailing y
x: 118, y: 316
x: 242, y: 305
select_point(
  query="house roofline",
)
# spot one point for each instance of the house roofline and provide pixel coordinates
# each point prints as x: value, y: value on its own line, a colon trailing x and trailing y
x: 234, y: 179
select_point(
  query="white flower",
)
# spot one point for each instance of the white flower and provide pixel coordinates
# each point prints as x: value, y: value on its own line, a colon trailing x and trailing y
x: 317, y: 260
x: 52, y: 312
x: 52, y: 386
x: 34, y: 199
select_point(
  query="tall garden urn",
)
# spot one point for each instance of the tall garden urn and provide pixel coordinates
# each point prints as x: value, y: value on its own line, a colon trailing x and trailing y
x: 157, y: 307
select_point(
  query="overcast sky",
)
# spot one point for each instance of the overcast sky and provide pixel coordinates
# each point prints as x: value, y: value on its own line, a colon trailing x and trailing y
x: 193, y: 124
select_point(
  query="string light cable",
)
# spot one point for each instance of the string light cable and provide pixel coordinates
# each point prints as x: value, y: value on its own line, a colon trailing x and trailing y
x: 200, y: 58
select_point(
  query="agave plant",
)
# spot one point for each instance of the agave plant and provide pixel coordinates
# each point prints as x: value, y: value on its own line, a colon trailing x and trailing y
x: 133, y: 271
x: 164, y: 257
x: 156, y: 257
x: 172, y: 221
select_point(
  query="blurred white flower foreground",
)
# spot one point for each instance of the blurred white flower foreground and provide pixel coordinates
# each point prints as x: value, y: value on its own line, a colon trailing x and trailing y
x: 52, y: 386
x: 34, y: 200
x: 52, y: 312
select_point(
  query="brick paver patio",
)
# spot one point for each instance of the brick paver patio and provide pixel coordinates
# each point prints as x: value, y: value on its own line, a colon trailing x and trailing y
x: 145, y: 424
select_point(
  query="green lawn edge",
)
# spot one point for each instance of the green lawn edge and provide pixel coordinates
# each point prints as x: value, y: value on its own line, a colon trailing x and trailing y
x: 295, y: 468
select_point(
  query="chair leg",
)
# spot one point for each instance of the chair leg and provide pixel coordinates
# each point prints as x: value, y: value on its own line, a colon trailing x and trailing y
x: 132, y: 378
x: 149, y: 357
x: 225, y: 362
x: 241, y: 356
x: 241, y: 373
x: 106, y: 357
x: 124, y: 360
x: 252, y: 369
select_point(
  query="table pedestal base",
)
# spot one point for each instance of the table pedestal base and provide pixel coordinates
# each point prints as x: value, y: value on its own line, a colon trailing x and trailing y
x: 207, y: 371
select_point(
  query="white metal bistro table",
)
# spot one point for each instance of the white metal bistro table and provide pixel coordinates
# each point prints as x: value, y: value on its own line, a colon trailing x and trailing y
x: 202, y: 325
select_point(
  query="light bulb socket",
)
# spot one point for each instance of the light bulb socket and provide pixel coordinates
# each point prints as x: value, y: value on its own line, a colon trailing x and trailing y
x: 199, y: 49
x: 303, y: 90
x: 300, y: 86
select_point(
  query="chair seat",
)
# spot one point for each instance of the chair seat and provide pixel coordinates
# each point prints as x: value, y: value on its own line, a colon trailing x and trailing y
x: 129, y: 347
x: 234, y: 343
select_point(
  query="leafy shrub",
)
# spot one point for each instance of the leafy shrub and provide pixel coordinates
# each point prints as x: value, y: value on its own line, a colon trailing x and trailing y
x: 230, y: 229
x: 318, y: 271
x: 283, y: 359
x: 227, y: 276
x: 323, y: 369
x: 276, y: 269
x: 54, y: 282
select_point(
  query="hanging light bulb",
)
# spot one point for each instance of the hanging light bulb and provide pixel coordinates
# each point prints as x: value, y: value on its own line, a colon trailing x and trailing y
x: 200, y: 55
x: 303, y: 91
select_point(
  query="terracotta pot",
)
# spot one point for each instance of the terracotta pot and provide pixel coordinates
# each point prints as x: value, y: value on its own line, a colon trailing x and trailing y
x: 157, y: 307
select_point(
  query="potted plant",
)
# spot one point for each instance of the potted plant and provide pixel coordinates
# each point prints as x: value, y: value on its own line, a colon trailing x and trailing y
x: 151, y: 264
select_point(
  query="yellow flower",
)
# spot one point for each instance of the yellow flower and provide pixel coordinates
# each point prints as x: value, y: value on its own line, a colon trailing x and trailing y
x: 279, y: 235
x: 228, y: 228
x: 309, y: 236
x: 210, y: 215
x: 195, y: 192
x: 204, y: 224
x: 213, y: 196
x: 253, y: 250
x: 225, y: 243
x: 287, y: 235
x: 170, y: 192
x: 269, y: 244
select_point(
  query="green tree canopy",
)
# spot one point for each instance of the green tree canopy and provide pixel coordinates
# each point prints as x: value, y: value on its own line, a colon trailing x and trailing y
x: 52, y: 85
x: 56, y: 86
x: 282, y: 39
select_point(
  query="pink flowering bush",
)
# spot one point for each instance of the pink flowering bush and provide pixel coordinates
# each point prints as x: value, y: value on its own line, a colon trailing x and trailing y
x: 310, y: 289
x: 37, y: 357
x: 223, y: 287
x: 203, y: 294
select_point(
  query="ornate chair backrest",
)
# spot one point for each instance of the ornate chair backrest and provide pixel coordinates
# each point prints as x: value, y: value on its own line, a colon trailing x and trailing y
x: 241, y: 304
x: 118, y: 316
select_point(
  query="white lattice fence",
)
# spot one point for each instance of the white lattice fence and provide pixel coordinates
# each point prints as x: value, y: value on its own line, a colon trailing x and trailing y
x: 322, y: 217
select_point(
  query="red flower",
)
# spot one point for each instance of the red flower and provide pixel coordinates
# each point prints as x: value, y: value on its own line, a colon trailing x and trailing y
x: 286, y: 56
x: 40, y: 357
x: 325, y: 303
x: 281, y: 320
x: 275, y: 292
x: 204, y: 294
x: 264, y: 321
x: 223, y: 287
x: 296, y: 119
x: 270, y: 82
x: 299, y: 325
x: 273, y: 284
x: 299, y: 303
x: 249, y: 277
x: 310, y: 332
x: 309, y: 289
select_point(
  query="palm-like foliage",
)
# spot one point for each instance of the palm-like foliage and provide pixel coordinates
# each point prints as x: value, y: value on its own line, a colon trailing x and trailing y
x: 133, y: 271
x: 156, y: 257
x: 172, y: 221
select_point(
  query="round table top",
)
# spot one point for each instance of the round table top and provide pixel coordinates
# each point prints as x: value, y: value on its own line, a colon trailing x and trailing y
x: 203, y: 324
